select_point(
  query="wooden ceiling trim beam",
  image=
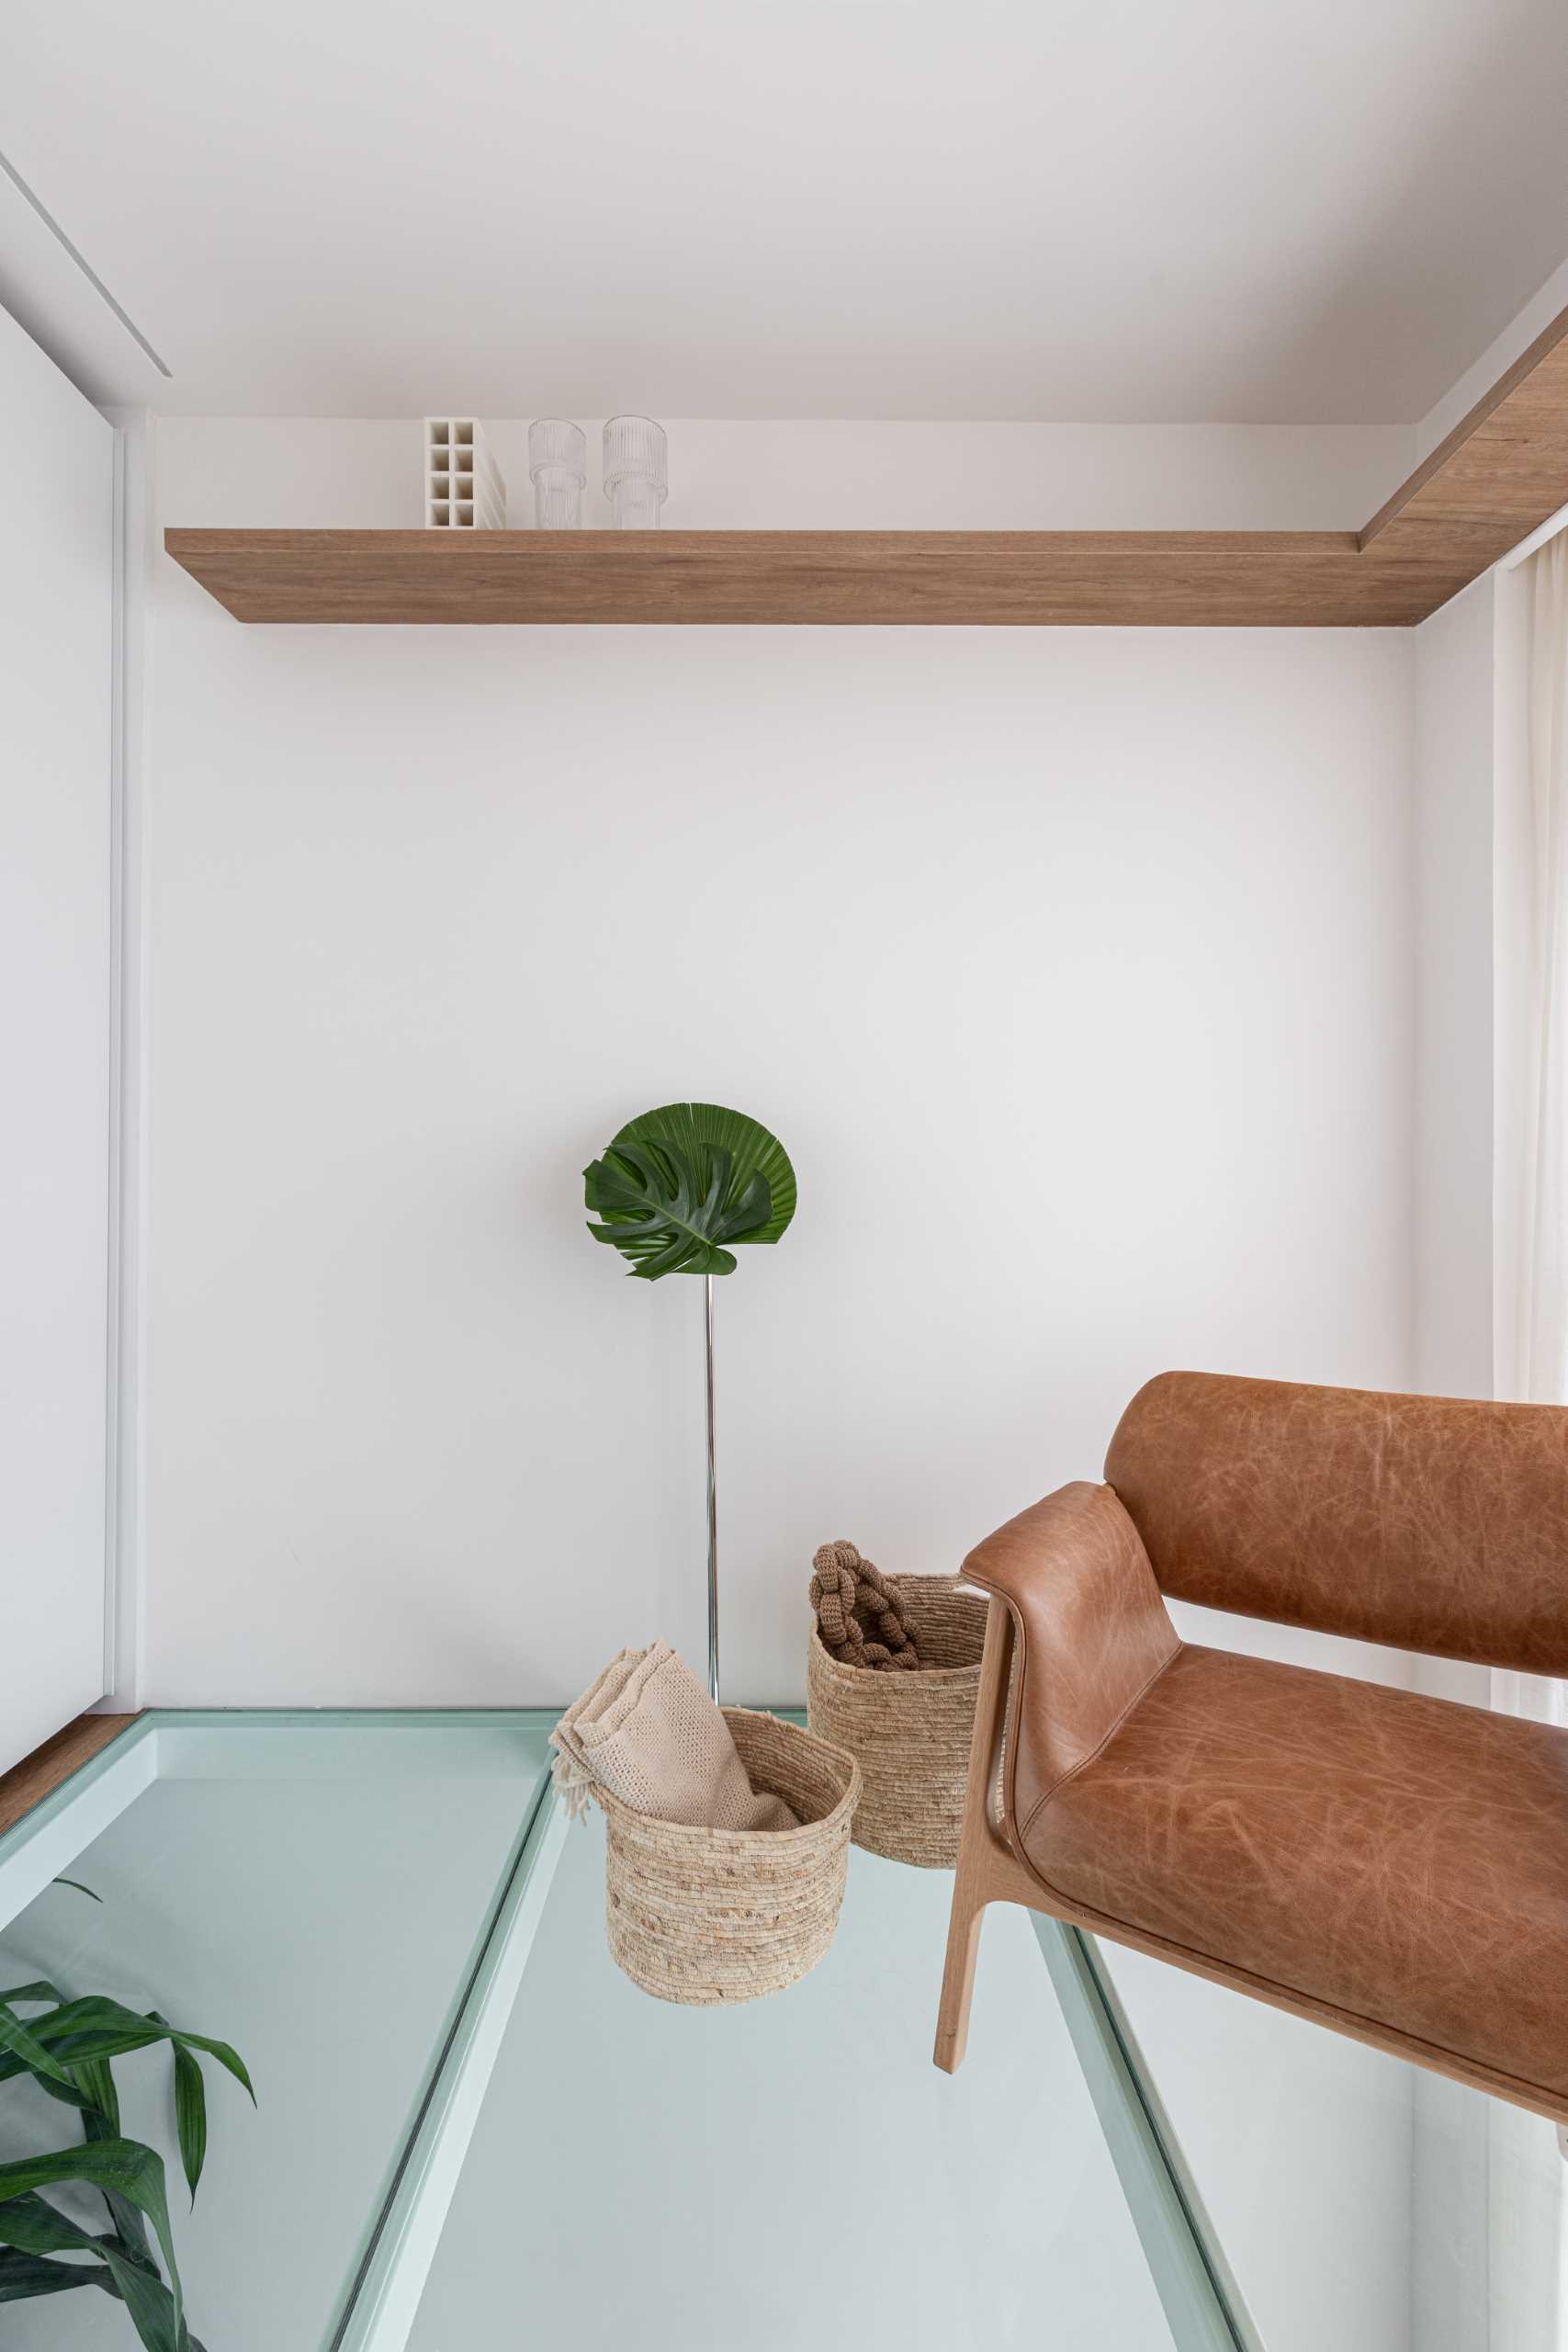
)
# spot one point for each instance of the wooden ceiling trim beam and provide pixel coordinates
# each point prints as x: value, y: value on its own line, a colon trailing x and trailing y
x: 1502, y: 470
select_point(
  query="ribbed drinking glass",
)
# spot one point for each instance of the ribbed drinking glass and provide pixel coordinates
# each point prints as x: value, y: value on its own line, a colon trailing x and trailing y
x: 558, y: 468
x: 636, y: 483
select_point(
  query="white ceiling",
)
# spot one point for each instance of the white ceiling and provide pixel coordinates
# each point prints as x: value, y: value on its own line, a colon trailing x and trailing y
x: 1159, y: 211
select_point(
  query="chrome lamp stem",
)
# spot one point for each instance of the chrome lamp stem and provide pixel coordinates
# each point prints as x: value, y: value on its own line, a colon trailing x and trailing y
x: 713, y: 1510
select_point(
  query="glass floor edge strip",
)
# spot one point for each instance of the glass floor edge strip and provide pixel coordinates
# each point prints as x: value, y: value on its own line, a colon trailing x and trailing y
x: 378, y: 2310
x: 1202, y: 2303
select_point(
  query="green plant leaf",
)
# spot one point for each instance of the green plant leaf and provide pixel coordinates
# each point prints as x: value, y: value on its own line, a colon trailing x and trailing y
x: 100, y: 2120
x: 15, y: 2037
x: 68, y: 2051
x: 752, y: 1151
x: 678, y: 1183
x: 25, y: 2276
x: 154, y: 2311
x: 66, y: 2093
x: 72, y: 2038
x: 94, y: 2012
x: 80, y: 1889
x: 190, y: 2116
x: 95, y: 2028
x: 31, y: 2224
x: 94, y: 2078
x: 668, y: 1214
x: 226, y: 2056
x: 126, y: 2166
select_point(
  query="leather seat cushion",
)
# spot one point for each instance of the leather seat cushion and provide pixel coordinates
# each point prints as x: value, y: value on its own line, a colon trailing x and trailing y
x: 1403, y: 1859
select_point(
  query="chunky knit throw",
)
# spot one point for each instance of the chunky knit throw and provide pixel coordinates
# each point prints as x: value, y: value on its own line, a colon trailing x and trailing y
x: 857, y: 1615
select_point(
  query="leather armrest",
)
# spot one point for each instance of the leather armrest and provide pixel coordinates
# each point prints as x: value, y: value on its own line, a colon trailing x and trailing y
x: 1090, y: 1634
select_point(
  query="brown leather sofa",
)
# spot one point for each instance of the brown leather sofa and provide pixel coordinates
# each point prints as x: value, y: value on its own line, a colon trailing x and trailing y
x: 1390, y: 1865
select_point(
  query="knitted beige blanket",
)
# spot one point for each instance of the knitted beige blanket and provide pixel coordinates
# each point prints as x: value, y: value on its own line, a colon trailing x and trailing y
x: 647, y: 1732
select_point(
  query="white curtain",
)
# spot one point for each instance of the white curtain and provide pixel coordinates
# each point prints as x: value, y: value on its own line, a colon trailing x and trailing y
x: 1540, y: 1369
x: 1528, y: 2209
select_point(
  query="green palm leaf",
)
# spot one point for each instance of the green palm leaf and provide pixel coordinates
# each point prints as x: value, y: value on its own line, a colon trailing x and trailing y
x: 678, y: 1183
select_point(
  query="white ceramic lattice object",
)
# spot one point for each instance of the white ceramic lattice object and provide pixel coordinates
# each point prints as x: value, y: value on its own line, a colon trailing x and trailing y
x: 463, y: 485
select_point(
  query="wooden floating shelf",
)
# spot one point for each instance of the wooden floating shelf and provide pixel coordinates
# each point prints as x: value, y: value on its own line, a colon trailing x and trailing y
x: 825, y: 579
x: 1500, y: 473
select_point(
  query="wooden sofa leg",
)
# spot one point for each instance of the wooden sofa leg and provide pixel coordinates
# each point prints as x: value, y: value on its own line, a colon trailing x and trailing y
x: 971, y: 1883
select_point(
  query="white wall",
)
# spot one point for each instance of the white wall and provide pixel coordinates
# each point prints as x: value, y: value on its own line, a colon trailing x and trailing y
x: 1073, y: 967
x: 791, y: 475
x: 56, y: 616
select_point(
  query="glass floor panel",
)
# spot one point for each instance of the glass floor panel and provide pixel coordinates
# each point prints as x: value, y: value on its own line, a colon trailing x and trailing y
x: 794, y: 2173
x: 312, y: 1892
x: 1354, y: 2201
x: 473, y: 2131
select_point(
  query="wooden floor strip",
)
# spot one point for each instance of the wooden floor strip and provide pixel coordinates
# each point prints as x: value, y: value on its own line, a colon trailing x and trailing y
x: 40, y: 1774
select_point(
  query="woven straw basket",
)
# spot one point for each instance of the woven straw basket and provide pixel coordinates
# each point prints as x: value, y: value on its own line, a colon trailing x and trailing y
x: 710, y: 1917
x: 909, y: 1733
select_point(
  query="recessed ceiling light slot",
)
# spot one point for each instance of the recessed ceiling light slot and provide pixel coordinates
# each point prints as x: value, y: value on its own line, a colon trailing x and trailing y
x: 82, y: 263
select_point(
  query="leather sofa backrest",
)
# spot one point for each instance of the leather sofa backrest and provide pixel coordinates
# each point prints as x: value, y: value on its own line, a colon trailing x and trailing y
x: 1432, y: 1522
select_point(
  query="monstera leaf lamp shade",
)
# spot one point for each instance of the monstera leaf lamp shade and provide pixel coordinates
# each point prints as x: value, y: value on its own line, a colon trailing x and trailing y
x: 677, y: 1191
